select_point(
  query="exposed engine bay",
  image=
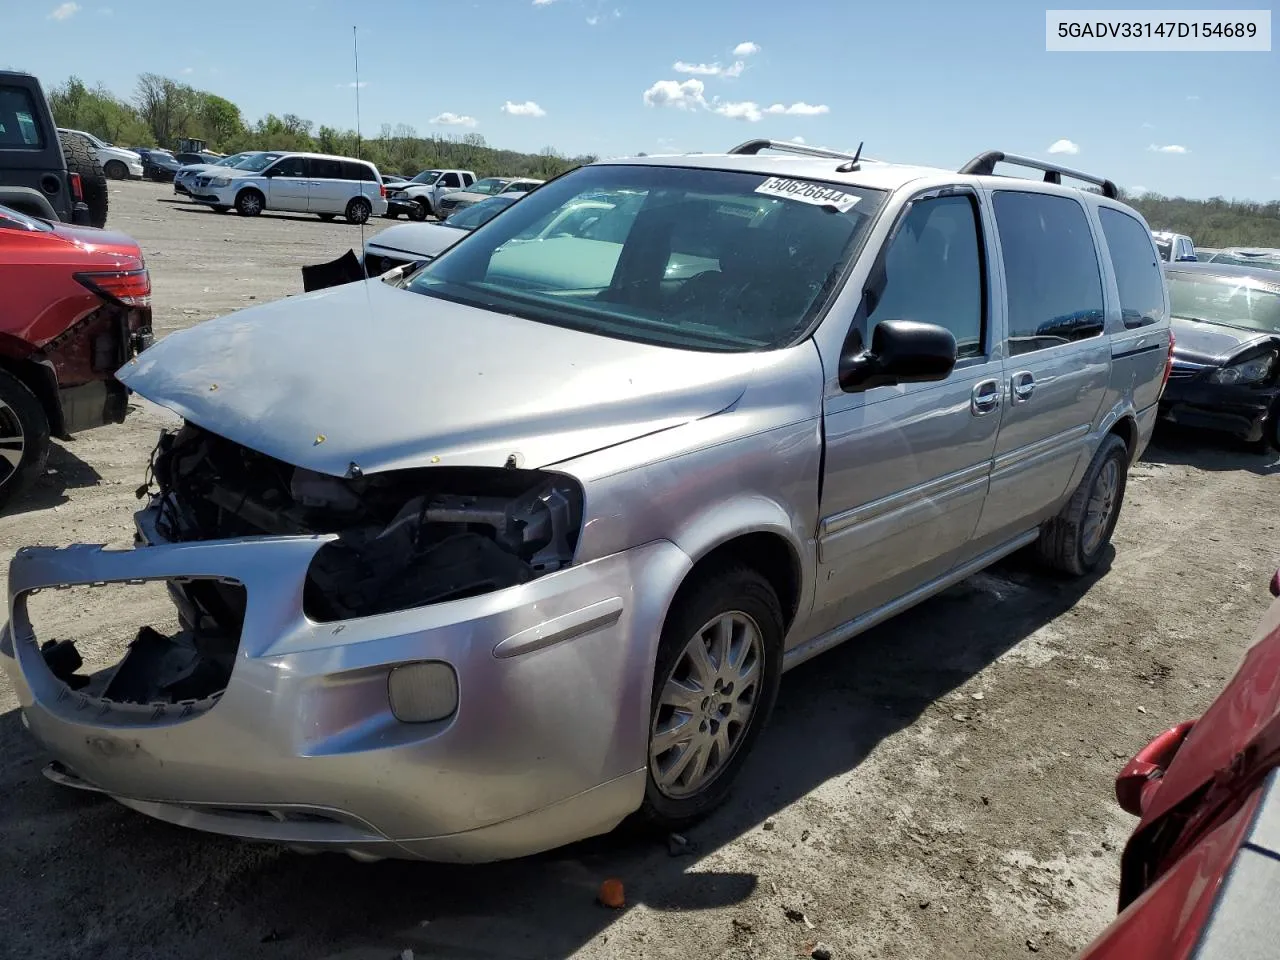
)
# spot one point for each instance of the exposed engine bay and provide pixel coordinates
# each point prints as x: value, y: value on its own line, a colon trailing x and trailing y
x: 405, y: 539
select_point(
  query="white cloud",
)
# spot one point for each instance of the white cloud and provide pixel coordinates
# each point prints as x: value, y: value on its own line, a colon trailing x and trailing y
x: 526, y: 109
x: 709, y: 69
x: 684, y: 95
x: 800, y: 109
x: 1193, y: 97
x: 746, y: 49
x: 1064, y: 146
x: 746, y: 110
x: 349, y: 85
x: 1147, y: 125
x: 1168, y: 148
x: 64, y: 11
x: 448, y: 119
x: 188, y: 70
x: 797, y: 140
x: 543, y: 3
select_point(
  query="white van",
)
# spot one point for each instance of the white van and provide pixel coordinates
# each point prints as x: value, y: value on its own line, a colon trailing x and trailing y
x: 298, y: 183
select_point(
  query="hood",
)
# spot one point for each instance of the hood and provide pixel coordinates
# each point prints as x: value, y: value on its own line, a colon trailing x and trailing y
x: 376, y: 376
x: 121, y: 154
x: 191, y: 168
x: 1211, y: 344
x: 466, y: 196
x: 417, y: 239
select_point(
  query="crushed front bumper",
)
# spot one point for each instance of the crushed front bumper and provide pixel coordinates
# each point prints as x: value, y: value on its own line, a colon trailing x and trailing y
x: 1243, y: 412
x: 546, y: 745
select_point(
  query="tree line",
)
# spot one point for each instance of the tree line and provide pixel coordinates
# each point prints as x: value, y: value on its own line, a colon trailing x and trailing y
x: 1215, y: 222
x: 163, y: 110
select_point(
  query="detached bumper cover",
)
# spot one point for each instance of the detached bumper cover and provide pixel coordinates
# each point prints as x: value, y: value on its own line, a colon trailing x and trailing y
x: 546, y: 746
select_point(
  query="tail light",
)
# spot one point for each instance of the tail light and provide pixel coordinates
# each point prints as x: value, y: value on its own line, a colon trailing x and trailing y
x: 382, y: 189
x: 130, y: 288
x: 1168, y: 363
x: 77, y: 188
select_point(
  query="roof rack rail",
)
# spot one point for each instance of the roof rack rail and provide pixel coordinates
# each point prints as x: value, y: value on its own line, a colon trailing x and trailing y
x: 751, y: 147
x: 984, y: 165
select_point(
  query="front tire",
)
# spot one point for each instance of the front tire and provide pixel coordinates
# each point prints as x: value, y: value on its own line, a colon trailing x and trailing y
x: 249, y: 203
x: 1074, y: 541
x: 116, y: 170
x: 24, y: 437
x: 358, y: 210
x: 420, y: 210
x: 716, y: 679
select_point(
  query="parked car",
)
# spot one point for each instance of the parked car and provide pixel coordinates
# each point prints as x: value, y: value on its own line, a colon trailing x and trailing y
x: 117, y: 163
x: 391, y: 179
x: 77, y: 306
x: 188, y: 158
x: 1266, y: 258
x: 183, y: 178
x: 1174, y: 247
x: 479, y: 191
x: 554, y: 514
x: 420, y: 197
x: 415, y: 242
x: 161, y: 166
x: 1199, y: 875
x: 297, y: 182
x: 43, y: 173
x: 1225, y: 375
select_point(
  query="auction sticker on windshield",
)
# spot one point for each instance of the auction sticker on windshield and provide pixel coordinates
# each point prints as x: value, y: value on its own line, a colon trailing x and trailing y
x: 806, y: 192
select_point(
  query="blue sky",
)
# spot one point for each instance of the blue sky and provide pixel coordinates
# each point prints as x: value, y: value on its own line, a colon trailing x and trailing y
x: 925, y: 83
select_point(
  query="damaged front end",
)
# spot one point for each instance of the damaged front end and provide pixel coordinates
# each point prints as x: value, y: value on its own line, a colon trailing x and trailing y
x: 404, y: 539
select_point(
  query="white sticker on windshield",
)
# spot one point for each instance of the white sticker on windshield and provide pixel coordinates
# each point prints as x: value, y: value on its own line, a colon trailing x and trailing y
x: 807, y: 192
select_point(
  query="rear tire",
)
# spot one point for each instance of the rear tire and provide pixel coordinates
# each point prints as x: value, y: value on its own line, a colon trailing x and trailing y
x: 249, y: 203
x: 420, y: 210
x: 116, y: 170
x: 93, y: 181
x: 700, y: 703
x: 24, y: 437
x: 358, y: 210
x: 1074, y: 541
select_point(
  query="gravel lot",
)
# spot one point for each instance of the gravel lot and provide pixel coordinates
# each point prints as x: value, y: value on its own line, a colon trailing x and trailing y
x: 941, y: 787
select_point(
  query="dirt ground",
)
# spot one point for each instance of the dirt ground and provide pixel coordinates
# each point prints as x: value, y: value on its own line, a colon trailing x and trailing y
x: 940, y: 787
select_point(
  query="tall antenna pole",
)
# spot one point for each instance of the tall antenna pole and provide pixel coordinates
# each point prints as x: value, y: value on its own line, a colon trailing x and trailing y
x: 355, y: 46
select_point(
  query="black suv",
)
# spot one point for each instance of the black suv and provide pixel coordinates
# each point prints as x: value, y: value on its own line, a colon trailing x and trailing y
x: 43, y: 173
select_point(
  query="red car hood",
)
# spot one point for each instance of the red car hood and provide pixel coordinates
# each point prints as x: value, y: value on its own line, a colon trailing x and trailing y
x: 1246, y: 714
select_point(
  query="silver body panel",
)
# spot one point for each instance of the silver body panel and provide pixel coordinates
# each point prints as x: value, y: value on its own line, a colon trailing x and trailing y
x: 881, y: 498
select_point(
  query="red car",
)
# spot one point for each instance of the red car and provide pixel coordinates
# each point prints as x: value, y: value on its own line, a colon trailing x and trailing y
x: 1200, y: 877
x: 75, y: 304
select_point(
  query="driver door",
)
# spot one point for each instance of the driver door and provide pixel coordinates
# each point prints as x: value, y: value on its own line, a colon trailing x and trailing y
x: 288, y: 187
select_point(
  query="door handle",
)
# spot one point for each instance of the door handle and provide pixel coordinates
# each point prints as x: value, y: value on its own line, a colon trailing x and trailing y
x: 985, y: 398
x: 1023, y: 385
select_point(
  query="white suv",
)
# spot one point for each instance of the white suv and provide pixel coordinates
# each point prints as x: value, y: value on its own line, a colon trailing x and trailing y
x: 116, y: 163
x: 298, y: 183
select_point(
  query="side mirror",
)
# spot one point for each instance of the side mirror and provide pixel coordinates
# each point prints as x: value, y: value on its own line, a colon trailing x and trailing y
x: 902, y: 351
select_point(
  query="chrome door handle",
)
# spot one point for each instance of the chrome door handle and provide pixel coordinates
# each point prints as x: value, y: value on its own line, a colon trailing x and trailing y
x: 1023, y: 385
x: 985, y: 398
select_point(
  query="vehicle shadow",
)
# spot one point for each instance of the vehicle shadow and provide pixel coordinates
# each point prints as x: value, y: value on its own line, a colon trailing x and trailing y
x: 65, y: 471
x: 201, y: 210
x: 1186, y: 446
x: 832, y: 712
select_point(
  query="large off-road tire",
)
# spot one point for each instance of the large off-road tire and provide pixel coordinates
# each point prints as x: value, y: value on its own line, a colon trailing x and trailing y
x: 24, y: 437
x: 716, y: 678
x: 358, y: 210
x: 1075, y: 540
x: 93, y: 180
x: 420, y: 210
x: 249, y: 202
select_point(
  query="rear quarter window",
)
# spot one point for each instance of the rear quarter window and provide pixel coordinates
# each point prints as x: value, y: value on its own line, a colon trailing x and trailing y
x: 1137, y: 268
x: 1052, y: 279
x: 19, y: 128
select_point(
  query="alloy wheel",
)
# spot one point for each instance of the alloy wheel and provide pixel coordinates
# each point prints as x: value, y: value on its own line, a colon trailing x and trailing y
x: 706, y: 705
x: 1101, y: 506
x: 12, y: 442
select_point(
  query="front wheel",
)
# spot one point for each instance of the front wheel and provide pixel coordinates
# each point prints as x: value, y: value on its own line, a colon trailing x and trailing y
x: 24, y: 437
x: 716, y: 678
x: 250, y: 203
x: 116, y: 170
x: 358, y: 210
x: 1073, y: 542
x: 420, y: 211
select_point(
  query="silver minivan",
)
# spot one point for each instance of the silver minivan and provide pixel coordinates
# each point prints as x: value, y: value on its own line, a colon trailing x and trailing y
x: 482, y: 557
x: 297, y: 183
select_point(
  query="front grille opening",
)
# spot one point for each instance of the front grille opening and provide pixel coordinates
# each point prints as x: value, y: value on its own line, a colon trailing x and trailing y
x: 147, y: 644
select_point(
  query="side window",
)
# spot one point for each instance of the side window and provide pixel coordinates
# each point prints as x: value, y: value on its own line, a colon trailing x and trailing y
x: 1051, y: 270
x: 290, y: 167
x: 450, y: 180
x: 1136, y: 266
x: 327, y: 170
x: 934, y: 272
x: 18, y: 128
x: 468, y: 179
x: 355, y: 170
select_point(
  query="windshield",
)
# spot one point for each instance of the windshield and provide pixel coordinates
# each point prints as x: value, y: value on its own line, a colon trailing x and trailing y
x: 232, y: 160
x: 479, y: 213
x: 256, y: 164
x: 519, y: 186
x: 1262, y: 261
x: 703, y: 259
x: 1233, y: 301
x: 426, y: 176
x: 13, y: 220
x: 487, y: 185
